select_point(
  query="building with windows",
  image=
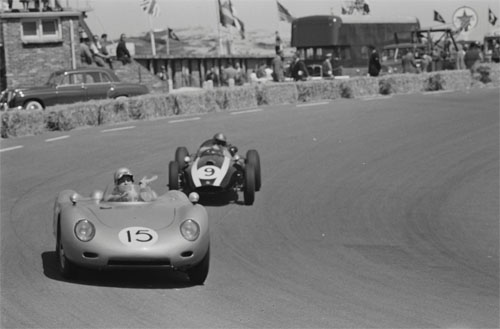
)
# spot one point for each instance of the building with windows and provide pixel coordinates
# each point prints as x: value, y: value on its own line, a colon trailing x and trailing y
x: 35, y: 43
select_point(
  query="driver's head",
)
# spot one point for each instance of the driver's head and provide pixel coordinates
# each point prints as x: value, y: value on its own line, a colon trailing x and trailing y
x: 220, y: 139
x: 123, y: 176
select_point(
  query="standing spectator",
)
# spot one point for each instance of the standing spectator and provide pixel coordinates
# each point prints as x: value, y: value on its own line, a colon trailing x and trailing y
x: 122, y: 53
x: 437, y: 65
x: 426, y: 62
x: 472, y: 58
x: 327, y: 70
x: 239, y: 79
x: 374, y: 65
x: 299, y: 69
x: 495, y: 52
x: 212, y: 76
x: 104, y: 49
x: 408, y: 62
x: 278, y: 68
x: 98, y: 57
x: 460, y: 63
x: 25, y: 4
x: 228, y: 73
x: 10, y: 4
x: 85, y: 53
x: 279, y: 43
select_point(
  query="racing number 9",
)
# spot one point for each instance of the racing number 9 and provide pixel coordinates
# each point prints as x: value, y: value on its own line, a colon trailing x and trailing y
x: 209, y: 171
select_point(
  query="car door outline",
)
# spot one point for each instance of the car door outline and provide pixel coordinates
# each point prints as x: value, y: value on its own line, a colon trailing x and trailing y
x: 71, y: 88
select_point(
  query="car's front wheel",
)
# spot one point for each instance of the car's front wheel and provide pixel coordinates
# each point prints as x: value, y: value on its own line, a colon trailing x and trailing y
x: 198, y: 273
x: 66, y: 268
x: 33, y: 105
x: 249, y: 189
x: 180, y: 154
x: 173, y: 175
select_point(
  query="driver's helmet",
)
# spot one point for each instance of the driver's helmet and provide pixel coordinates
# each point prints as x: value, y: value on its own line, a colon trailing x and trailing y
x: 121, y: 173
x: 220, y: 139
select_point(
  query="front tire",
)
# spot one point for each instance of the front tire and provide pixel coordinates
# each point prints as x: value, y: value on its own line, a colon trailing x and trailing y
x: 249, y: 190
x: 66, y: 268
x: 254, y: 158
x: 180, y: 154
x: 198, y: 273
x: 33, y: 105
x: 173, y: 175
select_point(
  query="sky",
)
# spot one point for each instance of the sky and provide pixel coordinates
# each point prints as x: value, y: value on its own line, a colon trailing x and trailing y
x: 126, y: 16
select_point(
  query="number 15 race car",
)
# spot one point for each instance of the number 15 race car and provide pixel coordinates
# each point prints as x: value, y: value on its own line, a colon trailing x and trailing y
x: 169, y: 232
x: 216, y: 169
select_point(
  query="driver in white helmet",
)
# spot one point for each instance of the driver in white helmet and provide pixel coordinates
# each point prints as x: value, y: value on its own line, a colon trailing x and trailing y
x: 125, y: 190
x: 219, y: 143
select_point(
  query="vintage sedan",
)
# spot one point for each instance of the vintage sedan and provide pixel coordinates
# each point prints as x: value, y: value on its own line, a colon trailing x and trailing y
x: 70, y: 86
x: 170, y: 232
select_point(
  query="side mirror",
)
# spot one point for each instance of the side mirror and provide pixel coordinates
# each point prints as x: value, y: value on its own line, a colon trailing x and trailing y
x: 233, y: 150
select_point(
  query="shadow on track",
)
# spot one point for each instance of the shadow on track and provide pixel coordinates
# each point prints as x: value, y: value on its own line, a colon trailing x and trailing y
x: 123, y: 278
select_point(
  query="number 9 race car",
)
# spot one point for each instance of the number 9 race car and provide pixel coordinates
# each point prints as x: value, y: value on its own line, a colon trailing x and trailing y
x: 215, y: 169
x: 169, y: 232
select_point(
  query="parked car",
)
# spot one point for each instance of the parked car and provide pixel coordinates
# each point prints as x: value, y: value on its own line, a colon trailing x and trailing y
x: 70, y: 86
x: 169, y: 232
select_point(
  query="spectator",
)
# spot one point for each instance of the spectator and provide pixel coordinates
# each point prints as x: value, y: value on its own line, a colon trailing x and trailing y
x: 10, y: 4
x: 98, y: 57
x: 374, y: 65
x: 104, y: 49
x: 299, y: 69
x: 239, y: 79
x: 163, y: 75
x: 472, y: 58
x: 85, y: 53
x: 278, y: 68
x: 212, y: 76
x: 495, y: 52
x: 426, y: 62
x: 437, y: 65
x: 25, y: 4
x: 279, y: 43
x: 122, y: 53
x: 327, y: 66
x: 460, y: 63
x: 228, y: 73
x: 408, y: 62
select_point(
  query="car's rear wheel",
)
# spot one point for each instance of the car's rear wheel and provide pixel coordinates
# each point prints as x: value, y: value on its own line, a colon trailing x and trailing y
x: 180, y: 154
x: 254, y: 158
x: 249, y: 190
x: 33, y: 105
x: 198, y: 273
x: 173, y: 175
x: 66, y: 268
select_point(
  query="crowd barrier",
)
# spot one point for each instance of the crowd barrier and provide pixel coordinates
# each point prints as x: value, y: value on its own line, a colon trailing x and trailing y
x: 16, y: 123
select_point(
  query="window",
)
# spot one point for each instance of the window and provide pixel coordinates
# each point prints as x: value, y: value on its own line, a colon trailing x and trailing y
x: 41, y: 30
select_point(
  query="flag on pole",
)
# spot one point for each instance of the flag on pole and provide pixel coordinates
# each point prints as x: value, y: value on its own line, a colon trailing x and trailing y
x: 151, y: 7
x: 172, y: 35
x: 438, y: 17
x: 283, y: 13
x: 228, y: 17
x: 491, y: 17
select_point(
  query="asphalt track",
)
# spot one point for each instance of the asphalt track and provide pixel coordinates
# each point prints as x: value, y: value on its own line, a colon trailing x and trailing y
x: 373, y: 213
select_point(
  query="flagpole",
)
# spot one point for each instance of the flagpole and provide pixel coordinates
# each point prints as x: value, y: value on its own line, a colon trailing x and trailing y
x: 217, y: 9
x: 151, y: 33
x: 168, y: 41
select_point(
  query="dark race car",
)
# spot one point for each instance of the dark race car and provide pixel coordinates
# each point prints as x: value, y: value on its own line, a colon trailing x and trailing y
x: 216, y: 170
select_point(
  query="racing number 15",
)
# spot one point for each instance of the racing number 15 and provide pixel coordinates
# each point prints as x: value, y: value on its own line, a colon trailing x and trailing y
x: 139, y: 236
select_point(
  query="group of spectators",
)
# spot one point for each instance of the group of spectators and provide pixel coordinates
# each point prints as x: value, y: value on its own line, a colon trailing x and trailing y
x: 96, y: 51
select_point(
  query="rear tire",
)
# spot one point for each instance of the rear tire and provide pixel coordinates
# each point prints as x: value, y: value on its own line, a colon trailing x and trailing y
x: 180, y: 154
x: 198, y: 273
x: 249, y: 191
x: 173, y: 175
x: 254, y: 158
x: 66, y: 268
